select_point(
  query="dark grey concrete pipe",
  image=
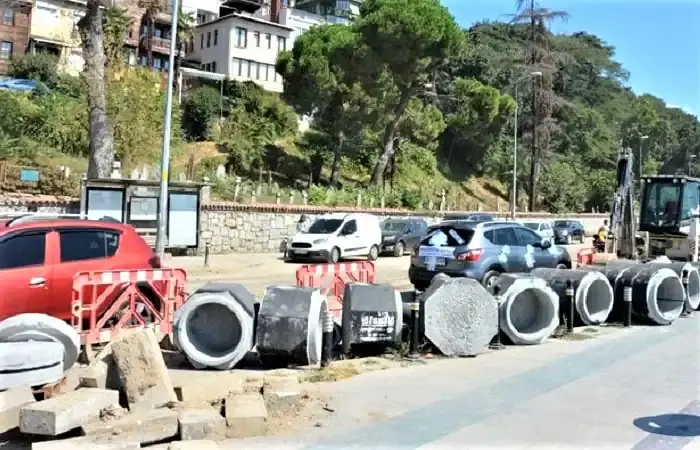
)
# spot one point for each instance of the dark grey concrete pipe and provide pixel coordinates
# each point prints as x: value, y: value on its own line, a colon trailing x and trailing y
x: 593, y: 296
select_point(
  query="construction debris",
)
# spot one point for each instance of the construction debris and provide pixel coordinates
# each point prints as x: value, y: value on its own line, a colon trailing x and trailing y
x: 198, y: 424
x: 282, y: 394
x: 145, y: 427
x: 10, y: 403
x: 246, y: 414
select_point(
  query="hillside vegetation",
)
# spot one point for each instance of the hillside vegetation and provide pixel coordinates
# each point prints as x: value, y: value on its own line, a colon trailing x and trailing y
x: 404, y: 104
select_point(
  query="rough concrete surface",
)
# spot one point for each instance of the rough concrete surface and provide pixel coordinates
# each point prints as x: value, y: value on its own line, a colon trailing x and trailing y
x: 461, y: 317
x: 11, y: 401
x: 216, y: 387
x: 246, y: 414
x: 142, y: 371
x: 282, y: 394
x: 201, y: 444
x: 201, y: 423
x: 87, y: 443
x: 142, y: 426
x: 65, y: 412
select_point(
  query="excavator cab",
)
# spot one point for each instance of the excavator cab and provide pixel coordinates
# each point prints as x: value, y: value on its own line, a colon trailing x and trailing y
x: 669, y: 205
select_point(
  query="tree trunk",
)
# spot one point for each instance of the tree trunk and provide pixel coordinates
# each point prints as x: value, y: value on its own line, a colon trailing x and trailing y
x: 337, y: 154
x: 149, y: 41
x: 101, y: 147
x: 534, y: 160
x: 388, y: 141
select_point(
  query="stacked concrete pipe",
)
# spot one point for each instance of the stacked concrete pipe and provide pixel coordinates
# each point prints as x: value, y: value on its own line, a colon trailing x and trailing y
x: 529, y: 309
x: 688, y: 271
x: 593, y: 295
x: 214, y: 327
x: 657, y: 292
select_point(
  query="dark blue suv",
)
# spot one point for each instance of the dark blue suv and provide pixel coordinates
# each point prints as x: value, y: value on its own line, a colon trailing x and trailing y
x: 482, y: 251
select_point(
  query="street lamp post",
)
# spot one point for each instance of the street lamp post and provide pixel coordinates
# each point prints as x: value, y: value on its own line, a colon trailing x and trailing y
x: 641, y: 144
x: 515, y: 145
x: 165, y: 153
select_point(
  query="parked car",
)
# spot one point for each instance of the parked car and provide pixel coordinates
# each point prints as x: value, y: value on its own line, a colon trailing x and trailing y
x: 398, y: 235
x: 481, y: 251
x: 335, y: 236
x: 39, y: 257
x: 543, y: 228
x: 470, y: 217
x: 568, y: 232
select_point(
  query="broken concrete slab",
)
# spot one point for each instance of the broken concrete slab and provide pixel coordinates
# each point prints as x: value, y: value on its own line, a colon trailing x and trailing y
x: 201, y: 444
x: 246, y: 414
x: 211, y: 388
x: 282, y: 394
x: 10, y: 403
x: 142, y: 371
x: 145, y: 427
x: 95, y: 375
x: 66, y: 412
x: 197, y: 424
x: 87, y: 443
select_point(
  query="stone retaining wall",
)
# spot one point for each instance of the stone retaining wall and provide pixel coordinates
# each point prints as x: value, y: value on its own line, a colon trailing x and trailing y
x: 259, y: 228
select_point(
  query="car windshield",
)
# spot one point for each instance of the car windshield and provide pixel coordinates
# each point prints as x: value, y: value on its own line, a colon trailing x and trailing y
x: 561, y: 224
x: 447, y: 236
x: 325, y: 226
x: 531, y: 225
x: 394, y: 225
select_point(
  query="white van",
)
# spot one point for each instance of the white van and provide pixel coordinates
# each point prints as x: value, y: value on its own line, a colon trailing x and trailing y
x: 335, y: 236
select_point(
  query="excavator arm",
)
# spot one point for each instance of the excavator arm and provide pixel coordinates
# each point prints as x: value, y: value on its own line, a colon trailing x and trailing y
x: 621, y: 240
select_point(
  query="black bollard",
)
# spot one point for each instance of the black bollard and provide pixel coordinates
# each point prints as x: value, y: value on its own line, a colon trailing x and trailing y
x: 206, y: 254
x: 627, y: 297
x: 686, y: 312
x: 256, y: 313
x: 327, y: 350
x: 413, y: 354
x: 496, y: 344
x: 572, y: 306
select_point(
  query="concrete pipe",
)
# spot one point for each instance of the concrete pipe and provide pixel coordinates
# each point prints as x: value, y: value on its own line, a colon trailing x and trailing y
x: 529, y: 308
x: 290, y: 326
x: 593, y: 297
x: 657, y: 292
x: 692, y: 288
x: 214, y: 327
x: 372, y: 314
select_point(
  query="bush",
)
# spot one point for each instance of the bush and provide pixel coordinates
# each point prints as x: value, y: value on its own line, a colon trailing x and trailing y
x: 200, y: 109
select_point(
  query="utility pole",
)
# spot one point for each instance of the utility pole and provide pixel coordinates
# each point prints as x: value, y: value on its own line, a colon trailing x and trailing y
x: 165, y: 153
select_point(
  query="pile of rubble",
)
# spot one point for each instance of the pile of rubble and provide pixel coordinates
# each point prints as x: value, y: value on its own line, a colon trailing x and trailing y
x: 126, y: 399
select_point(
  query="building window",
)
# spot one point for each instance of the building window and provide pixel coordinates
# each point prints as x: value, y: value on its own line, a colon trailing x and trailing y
x: 235, y: 66
x: 281, y: 44
x: 255, y: 70
x: 267, y: 72
x: 5, y: 50
x: 143, y: 61
x: 216, y: 37
x: 8, y: 16
x: 201, y: 40
x: 256, y: 38
x: 201, y: 18
x: 213, y: 66
x: 208, y: 39
x: 157, y: 64
x: 268, y: 38
x: 241, y: 37
x: 274, y: 74
x: 245, y: 68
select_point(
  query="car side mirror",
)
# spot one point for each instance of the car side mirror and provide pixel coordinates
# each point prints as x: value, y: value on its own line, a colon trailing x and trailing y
x: 545, y: 244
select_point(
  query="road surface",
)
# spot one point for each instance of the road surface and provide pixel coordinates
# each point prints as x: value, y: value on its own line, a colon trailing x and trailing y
x: 626, y: 388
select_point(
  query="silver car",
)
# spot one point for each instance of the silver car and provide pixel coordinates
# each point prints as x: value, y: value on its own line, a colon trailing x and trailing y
x: 543, y: 228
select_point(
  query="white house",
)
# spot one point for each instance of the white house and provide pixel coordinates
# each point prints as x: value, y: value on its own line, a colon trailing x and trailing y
x: 301, y: 21
x: 243, y: 47
x: 202, y: 10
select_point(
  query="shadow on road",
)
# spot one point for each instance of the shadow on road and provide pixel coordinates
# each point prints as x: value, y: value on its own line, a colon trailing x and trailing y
x: 679, y: 425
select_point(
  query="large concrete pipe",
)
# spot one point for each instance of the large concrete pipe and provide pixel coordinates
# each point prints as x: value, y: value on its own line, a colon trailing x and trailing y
x: 593, y: 296
x: 290, y: 326
x: 30, y: 363
x: 372, y: 314
x: 657, y: 292
x: 529, y: 308
x: 461, y: 316
x: 214, y: 327
x: 692, y: 288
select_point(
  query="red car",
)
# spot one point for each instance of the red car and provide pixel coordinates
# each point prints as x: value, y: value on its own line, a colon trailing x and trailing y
x: 39, y: 257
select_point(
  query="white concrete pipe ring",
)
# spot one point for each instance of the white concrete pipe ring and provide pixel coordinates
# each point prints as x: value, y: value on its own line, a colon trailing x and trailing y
x: 693, y: 288
x: 665, y: 296
x: 547, y: 304
x: 398, y: 328
x: 187, y: 341
x: 314, y: 332
x: 594, y: 298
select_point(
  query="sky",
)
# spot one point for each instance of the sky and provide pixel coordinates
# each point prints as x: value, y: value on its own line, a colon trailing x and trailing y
x: 657, y: 42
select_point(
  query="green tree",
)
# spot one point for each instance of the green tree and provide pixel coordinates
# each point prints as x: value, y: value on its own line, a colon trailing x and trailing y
x: 116, y: 24
x: 200, y: 107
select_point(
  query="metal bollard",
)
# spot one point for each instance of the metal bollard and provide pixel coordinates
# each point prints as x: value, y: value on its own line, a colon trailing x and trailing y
x: 206, y: 254
x: 327, y: 350
x: 496, y: 344
x: 413, y: 354
x: 572, y: 306
x: 686, y: 311
x: 256, y: 313
x: 627, y: 297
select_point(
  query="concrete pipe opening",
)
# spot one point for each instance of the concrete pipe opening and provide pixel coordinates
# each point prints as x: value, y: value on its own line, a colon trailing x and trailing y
x: 314, y: 332
x: 530, y: 311
x: 693, y: 288
x: 594, y: 298
x: 214, y: 329
x: 665, y: 297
